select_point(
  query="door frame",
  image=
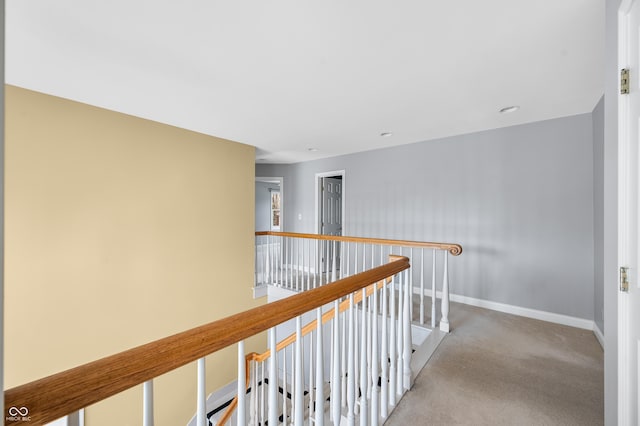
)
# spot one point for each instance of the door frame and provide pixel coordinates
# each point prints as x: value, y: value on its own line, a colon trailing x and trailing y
x: 625, y: 165
x: 280, y: 181
x: 318, y: 197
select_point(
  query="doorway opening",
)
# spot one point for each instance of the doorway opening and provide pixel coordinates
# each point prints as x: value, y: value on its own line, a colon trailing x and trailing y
x: 269, y: 203
x: 330, y: 201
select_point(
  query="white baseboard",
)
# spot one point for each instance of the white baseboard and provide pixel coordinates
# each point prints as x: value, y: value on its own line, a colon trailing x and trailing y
x: 518, y: 310
x: 260, y: 291
x: 278, y: 293
x: 599, y: 334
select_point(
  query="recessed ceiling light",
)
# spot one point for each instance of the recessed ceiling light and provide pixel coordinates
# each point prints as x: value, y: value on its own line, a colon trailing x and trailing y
x: 312, y: 149
x: 386, y: 134
x: 507, y: 110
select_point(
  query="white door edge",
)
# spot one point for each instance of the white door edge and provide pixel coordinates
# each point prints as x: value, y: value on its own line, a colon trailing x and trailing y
x: 626, y: 164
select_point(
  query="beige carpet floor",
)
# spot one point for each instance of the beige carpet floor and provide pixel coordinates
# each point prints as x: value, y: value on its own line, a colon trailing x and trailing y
x: 501, y: 369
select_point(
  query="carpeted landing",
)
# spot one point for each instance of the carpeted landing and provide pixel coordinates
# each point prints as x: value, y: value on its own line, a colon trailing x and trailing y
x: 501, y: 369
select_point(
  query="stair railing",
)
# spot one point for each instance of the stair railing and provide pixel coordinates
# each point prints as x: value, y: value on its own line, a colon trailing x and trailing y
x: 364, y: 335
x: 302, y: 262
x: 61, y: 394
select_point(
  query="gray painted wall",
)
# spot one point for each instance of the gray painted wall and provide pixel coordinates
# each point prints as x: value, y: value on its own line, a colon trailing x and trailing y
x: 611, y: 75
x: 518, y: 199
x: 263, y: 205
x: 598, y: 214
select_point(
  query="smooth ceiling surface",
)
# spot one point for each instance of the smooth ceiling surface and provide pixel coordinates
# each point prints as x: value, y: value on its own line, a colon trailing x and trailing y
x: 287, y: 76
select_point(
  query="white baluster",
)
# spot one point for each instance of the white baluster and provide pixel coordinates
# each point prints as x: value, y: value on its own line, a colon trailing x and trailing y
x: 351, y: 386
x: 303, y: 260
x: 285, y: 271
x: 355, y: 260
x: 311, y: 373
x: 433, y: 291
x: 422, y: 286
x: 406, y: 328
x: 343, y: 361
x: 308, y: 269
x: 273, y: 378
x: 262, y: 391
x: 300, y: 267
x: 277, y: 247
x: 319, y: 371
x: 296, y: 263
x: 271, y: 258
x: 321, y: 262
x: 341, y: 252
x: 369, y: 323
x: 363, y: 362
x: 290, y: 265
x: 373, y: 256
x: 392, y: 343
x: 147, y: 403
x: 282, y: 263
x: 335, y: 382
x: 253, y: 396
x: 444, y: 321
x: 364, y: 257
x: 384, y: 354
x: 285, y: 420
x: 201, y: 408
x: 374, y: 358
x: 241, y: 408
x: 328, y: 262
x: 356, y: 358
x: 410, y: 287
x: 293, y: 385
x: 265, y: 262
x: 334, y: 258
x: 400, y: 334
x: 276, y: 257
x: 299, y: 371
x: 315, y: 263
x: 267, y: 269
x: 347, y: 266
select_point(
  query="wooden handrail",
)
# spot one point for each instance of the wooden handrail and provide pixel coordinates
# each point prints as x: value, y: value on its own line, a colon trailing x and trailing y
x: 454, y: 249
x: 311, y: 326
x: 63, y: 393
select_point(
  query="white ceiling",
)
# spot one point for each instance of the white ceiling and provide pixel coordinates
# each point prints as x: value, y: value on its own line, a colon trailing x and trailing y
x: 287, y: 76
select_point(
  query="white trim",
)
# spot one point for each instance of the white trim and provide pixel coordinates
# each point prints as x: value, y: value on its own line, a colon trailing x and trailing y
x: 624, y: 181
x: 317, y: 197
x: 599, y: 334
x: 517, y: 310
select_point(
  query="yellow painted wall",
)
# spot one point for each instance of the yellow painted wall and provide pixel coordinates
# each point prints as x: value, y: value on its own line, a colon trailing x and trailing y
x: 120, y: 231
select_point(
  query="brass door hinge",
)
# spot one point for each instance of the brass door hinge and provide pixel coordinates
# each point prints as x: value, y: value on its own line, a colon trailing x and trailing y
x: 624, y: 280
x: 624, y: 81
